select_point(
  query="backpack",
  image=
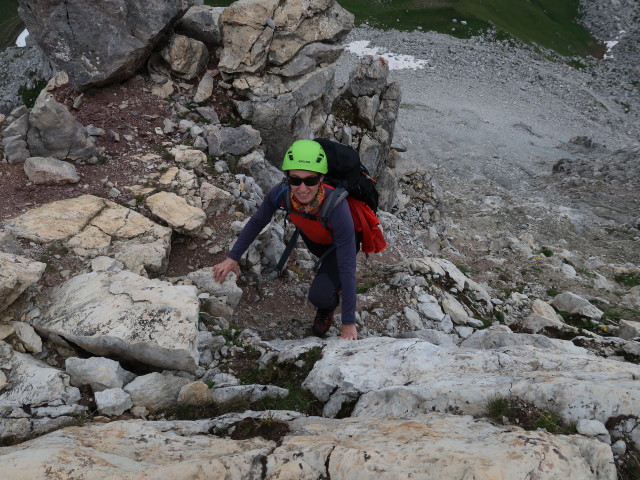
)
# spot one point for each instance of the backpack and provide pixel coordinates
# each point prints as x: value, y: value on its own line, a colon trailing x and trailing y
x: 347, y: 171
x: 351, y: 181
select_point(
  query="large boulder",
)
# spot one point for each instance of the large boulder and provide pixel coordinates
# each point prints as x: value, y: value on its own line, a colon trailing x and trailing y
x: 126, y: 316
x: 99, y: 42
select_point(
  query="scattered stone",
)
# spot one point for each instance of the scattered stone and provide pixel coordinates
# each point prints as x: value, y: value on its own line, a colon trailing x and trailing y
x: 50, y: 171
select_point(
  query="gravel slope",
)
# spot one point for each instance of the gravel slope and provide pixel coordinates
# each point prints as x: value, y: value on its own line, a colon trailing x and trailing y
x: 490, y: 119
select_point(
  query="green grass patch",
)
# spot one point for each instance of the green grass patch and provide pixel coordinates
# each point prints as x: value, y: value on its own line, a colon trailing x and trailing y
x: 628, y: 279
x: 30, y: 95
x: 290, y: 376
x: 547, y: 252
x: 515, y: 411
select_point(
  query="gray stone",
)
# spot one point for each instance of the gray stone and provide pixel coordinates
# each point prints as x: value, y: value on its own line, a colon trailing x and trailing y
x: 16, y: 275
x: 205, y: 89
x: 99, y: 373
x: 209, y: 113
x: 50, y: 171
x: 247, y: 38
x: 232, y: 141
x: 15, y: 149
x: 369, y: 77
x: 367, y: 109
x: 628, y: 329
x: 113, y: 401
x: 187, y: 57
x: 155, y: 391
x: 575, y: 304
x: 251, y: 393
x: 97, y: 45
x: 202, y: 22
x: 27, y: 337
x: 56, y: 133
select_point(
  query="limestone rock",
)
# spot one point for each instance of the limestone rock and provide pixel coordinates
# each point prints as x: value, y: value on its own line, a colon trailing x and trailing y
x: 176, y: 212
x: 247, y: 36
x: 56, y: 133
x: 575, y: 304
x: 232, y: 140
x: 195, y: 393
x: 56, y: 221
x: 369, y: 77
x: 155, y: 391
x: 187, y: 57
x: 97, y: 45
x: 300, y: 23
x: 15, y: 149
x: 50, y: 171
x: 407, y: 377
x: 205, y: 89
x: 34, y: 383
x: 16, y: 275
x: 227, y: 291
x: 202, y: 22
x: 377, y: 448
x: 127, y: 449
x: 214, y: 199
x: 92, y: 227
x: 126, y: 316
x: 251, y: 393
x: 28, y: 337
x: 629, y: 329
x: 189, y: 157
x: 256, y: 166
x: 99, y: 373
x: 113, y: 401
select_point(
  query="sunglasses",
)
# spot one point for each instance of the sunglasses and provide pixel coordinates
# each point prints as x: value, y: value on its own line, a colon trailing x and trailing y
x: 308, y: 181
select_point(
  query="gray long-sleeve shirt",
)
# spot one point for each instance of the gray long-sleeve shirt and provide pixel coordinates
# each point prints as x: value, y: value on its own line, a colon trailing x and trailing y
x: 340, y: 222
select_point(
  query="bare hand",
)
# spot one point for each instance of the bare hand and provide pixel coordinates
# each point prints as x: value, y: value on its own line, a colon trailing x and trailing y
x: 349, y: 332
x: 221, y: 270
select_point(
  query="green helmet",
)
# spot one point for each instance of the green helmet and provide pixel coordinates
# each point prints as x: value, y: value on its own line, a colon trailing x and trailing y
x: 305, y: 155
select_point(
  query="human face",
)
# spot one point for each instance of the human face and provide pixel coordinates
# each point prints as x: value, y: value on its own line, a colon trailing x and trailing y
x: 303, y: 193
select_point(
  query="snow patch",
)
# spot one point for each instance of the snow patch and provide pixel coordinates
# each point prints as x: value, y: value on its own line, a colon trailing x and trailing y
x: 396, y: 61
x: 21, y: 41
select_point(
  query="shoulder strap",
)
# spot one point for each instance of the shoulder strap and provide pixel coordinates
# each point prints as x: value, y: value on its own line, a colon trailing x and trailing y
x: 282, y: 200
x: 333, y: 199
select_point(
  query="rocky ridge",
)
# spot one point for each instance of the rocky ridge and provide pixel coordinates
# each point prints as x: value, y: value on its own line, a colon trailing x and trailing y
x: 425, y: 347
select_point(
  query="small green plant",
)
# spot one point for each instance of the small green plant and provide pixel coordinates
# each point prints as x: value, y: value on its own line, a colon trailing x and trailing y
x: 163, y: 152
x: 210, y: 383
x: 547, y: 252
x: 267, y: 428
x: 628, y: 279
x: 552, y: 292
x: 139, y: 198
x: 499, y: 407
x: 516, y: 411
x: 365, y: 287
x: 30, y: 95
x: 102, y: 160
x: 499, y: 315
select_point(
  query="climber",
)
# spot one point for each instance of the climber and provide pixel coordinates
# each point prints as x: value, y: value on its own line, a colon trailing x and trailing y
x: 305, y: 164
